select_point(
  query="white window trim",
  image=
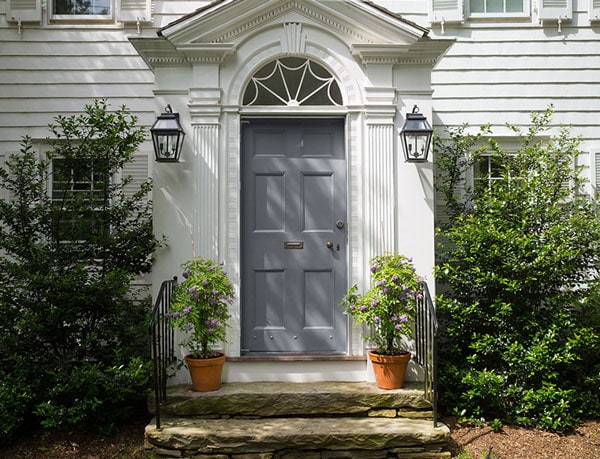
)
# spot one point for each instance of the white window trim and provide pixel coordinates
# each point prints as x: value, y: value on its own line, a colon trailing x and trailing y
x: 78, y: 18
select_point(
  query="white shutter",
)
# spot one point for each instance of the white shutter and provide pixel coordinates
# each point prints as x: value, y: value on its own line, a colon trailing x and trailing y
x: 594, y: 10
x: 138, y: 170
x: 3, y: 192
x: 555, y: 9
x: 597, y: 170
x: 134, y: 11
x: 446, y: 11
x: 24, y: 11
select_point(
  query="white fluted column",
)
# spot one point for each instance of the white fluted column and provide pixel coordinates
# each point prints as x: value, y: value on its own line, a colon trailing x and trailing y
x: 205, y: 117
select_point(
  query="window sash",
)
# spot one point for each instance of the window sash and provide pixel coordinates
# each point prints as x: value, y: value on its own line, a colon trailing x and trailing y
x: 78, y: 181
x: 86, y: 9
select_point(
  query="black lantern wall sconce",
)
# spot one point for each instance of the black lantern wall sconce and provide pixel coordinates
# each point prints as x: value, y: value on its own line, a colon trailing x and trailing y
x: 416, y: 137
x: 167, y: 137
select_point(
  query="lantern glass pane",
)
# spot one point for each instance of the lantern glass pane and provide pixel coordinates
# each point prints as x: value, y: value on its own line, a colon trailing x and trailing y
x: 416, y: 145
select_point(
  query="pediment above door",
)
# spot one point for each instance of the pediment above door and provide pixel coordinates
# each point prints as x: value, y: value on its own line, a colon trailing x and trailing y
x: 371, y: 33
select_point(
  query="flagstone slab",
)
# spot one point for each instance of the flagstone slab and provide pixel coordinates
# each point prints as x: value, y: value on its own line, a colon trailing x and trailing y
x: 229, y: 436
x: 266, y: 399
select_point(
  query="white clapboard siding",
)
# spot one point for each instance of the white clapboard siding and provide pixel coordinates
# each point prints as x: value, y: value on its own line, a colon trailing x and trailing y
x: 446, y: 11
x: 24, y: 11
x: 555, y: 9
x: 594, y: 10
x: 134, y: 11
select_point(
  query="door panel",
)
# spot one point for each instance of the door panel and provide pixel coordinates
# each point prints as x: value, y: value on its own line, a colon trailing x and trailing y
x: 294, y: 271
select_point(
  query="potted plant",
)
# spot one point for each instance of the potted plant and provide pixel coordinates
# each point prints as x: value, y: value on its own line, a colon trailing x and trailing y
x: 199, y: 308
x: 389, y: 309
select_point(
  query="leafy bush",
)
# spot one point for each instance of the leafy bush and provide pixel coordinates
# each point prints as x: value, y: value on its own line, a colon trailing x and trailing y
x: 520, y: 261
x: 69, y: 323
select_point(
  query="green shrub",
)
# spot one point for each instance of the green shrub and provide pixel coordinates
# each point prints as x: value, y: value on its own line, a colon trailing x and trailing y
x: 520, y: 261
x: 14, y: 404
x: 72, y: 332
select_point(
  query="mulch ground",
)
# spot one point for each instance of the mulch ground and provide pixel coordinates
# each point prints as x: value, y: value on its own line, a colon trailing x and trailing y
x: 509, y: 443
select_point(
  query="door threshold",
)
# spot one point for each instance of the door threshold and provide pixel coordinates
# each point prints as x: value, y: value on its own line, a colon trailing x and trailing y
x: 272, y: 357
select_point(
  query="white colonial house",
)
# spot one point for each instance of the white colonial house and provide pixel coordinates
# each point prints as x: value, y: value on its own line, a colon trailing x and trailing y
x: 291, y: 170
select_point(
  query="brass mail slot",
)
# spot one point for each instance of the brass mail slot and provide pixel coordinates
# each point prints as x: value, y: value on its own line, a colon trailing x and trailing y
x: 293, y: 245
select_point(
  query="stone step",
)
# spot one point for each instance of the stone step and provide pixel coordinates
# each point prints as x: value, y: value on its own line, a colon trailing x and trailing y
x: 295, y: 438
x: 276, y: 399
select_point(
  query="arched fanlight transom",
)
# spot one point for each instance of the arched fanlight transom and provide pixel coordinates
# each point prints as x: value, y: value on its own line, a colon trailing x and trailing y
x: 291, y: 82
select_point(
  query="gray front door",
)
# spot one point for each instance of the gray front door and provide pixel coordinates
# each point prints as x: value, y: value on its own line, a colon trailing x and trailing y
x: 294, y: 236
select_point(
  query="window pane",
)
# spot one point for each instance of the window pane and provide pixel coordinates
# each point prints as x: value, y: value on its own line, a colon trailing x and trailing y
x: 514, y: 6
x: 101, y: 7
x: 477, y: 6
x: 78, y: 191
x: 494, y: 6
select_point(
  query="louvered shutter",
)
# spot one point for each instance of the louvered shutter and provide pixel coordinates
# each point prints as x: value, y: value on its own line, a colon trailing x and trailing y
x: 554, y: 9
x: 446, y: 11
x: 134, y: 11
x: 597, y: 170
x: 24, y: 11
x: 594, y: 10
x: 3, y: 192
x: 138, y: 170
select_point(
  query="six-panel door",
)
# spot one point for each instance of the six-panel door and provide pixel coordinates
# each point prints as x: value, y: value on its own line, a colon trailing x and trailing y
x: 294, y: 236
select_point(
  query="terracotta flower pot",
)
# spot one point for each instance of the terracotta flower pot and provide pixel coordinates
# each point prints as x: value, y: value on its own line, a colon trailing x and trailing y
x: 389, y: 369
x: 205, y: 373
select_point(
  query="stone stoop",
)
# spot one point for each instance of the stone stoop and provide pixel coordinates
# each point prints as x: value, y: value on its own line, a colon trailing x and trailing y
x: 280, y: 420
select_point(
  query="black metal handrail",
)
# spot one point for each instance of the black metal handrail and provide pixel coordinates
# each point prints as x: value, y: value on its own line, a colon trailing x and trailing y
x: 426, y: 329
x: 163, y: 344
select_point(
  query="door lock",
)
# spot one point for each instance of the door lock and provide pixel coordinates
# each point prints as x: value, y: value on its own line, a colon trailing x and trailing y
x: 339, y: 224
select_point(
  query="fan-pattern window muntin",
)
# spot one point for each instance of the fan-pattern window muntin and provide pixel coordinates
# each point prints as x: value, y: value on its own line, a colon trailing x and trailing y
x: 291, y: 82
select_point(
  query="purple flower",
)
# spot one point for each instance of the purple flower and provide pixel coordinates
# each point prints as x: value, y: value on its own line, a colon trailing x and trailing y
x: 373, y: 269
x: 363, y: 308
x: 374, y: 303
x: 380, y: 282
x: 196, y: 295
x: 190, y: 325
x: 176, y: 315
x: 395, y: 278
x: 385, y: 290
x: 352, y: 308
x: 167, y: 315
x: 185, y: 274
x: 404, y: 287
x: 192, y: 289
x: 187, y: 310
x: 210, y: 331
x: 205, y: 283
x: 398, y: 327
x: 215, y: 323
x: 376, y: 319
x: 404, y: 318
x: 215, y: 292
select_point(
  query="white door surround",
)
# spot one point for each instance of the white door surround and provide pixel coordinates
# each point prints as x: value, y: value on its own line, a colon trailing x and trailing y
x: 203, y: 64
